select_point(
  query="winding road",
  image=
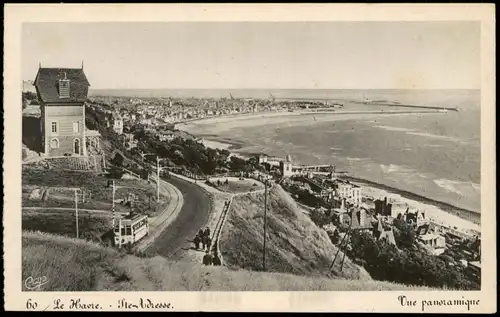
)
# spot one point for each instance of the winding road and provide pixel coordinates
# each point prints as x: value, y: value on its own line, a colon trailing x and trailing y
x: 174, y: 241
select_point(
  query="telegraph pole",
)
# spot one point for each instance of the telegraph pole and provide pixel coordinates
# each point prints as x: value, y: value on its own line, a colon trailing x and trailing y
x: 76, y: 212
x: 158, y: 179
x: 265, y: 225
x: 113, y: 208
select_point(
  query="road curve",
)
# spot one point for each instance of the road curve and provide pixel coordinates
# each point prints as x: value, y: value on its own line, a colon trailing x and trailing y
x: 175, y: 239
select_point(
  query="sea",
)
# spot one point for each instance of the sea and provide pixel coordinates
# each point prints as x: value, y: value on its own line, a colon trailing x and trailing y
x: 435, y: 155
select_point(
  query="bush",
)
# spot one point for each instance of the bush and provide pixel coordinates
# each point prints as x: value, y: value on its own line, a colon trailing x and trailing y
x: 404, y: 234
x: 408, y: 266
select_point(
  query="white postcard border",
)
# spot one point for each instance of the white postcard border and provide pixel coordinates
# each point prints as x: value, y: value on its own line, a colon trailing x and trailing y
x: 15, y: 15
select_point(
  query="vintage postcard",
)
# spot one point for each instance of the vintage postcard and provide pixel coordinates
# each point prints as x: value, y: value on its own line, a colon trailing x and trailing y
x: 280, y: 157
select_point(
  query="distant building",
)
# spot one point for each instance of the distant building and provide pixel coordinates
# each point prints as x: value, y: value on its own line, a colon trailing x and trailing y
x: 350, y: 192
x: 383, y: 208
x: 361, y: 220
x: 433, y: 241
x: 62, y: 93
x: 286, y: 167
x: 118, y: 124
x: 382, y: 232
x: 416, y: 218
x: 262, y: 159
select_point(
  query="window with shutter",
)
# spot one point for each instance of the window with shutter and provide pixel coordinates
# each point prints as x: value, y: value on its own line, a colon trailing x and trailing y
x: 76, y: 126
x: 54, y: 128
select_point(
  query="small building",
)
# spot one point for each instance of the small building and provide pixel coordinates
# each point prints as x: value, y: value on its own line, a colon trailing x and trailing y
x: 349, y: 191
x: 118, y: 124
x: 383, y: 208
x: 433, y: 240
x: 361, y: 220
x: 416, y: 218
x: 474, y: 267
x: 62, y: 93
x: 286, y: 167
x: 262, y: 159
x: 382, y: 232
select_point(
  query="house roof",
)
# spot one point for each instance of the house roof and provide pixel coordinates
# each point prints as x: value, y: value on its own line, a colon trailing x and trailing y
x: 389, y: 236
x: 47, y: 82
x: 356, y: 220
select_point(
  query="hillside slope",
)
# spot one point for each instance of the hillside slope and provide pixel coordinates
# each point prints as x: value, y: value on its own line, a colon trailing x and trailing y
x: 294, y: 243
x: 77, y: 265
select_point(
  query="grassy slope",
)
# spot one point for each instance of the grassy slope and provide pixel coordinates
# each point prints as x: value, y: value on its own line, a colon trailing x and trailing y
x: 76, y: 265
x: 97, y: 184
x: 294, y: 243
x: 91, y: 226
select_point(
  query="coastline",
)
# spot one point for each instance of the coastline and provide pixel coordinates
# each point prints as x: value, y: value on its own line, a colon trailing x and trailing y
x: 440, y: 211
x: 466, y: 214
x: 184, y: 125
x: 443, y: 212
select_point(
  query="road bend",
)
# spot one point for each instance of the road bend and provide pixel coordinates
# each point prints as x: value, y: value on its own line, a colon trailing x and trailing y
x: 176, y: 239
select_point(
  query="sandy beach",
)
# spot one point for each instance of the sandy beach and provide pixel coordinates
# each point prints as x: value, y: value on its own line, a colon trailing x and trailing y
x: 433, y: 212
x: 227, y: 122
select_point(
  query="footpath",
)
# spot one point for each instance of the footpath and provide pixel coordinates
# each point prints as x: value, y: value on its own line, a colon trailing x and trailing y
x: 216, y: 219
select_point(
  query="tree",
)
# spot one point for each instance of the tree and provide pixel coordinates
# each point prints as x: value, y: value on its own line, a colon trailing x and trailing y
x: 117, y: 160
x: 404, y: 234
x: 335, y: 237
x: 319, y: 217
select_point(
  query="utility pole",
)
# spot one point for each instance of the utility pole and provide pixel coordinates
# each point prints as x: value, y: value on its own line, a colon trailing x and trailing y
x: 113, y: 208
x: 158, y: 179
x: 265, y: 225
x: 346, y: 237
x: 76, y: 212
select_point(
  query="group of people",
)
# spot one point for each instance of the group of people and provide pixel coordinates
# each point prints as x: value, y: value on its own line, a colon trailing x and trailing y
x: 203, y: 237
x: 209, y: 259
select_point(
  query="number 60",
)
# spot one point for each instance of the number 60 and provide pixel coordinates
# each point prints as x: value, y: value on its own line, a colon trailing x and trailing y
x: 31, y: 305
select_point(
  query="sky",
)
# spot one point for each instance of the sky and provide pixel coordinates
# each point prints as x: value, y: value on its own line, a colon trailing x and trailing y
x: 270, y: 55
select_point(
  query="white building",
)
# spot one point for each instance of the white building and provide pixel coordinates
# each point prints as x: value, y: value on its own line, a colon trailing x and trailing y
x: 352, y: 193
x: 434, y: 241
x: 286, y: 167
x: 118, y: 124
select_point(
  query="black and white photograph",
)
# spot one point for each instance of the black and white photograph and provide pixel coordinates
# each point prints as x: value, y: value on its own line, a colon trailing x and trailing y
x: 250, y: 156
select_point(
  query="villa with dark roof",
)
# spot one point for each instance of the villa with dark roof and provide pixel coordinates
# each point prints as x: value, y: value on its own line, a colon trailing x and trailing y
x: 62, y: 93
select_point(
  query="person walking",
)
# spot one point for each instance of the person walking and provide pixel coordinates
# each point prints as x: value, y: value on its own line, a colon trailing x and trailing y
x: 207, y: 258
x: 209, y: 243
x: 216, y: 260
x: 207, y: 232
x: 203, y: 242
x: 197, y: 242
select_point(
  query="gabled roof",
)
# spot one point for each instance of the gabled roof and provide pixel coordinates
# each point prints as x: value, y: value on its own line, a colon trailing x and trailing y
x: 388, y: 236
x: 47, y: 82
